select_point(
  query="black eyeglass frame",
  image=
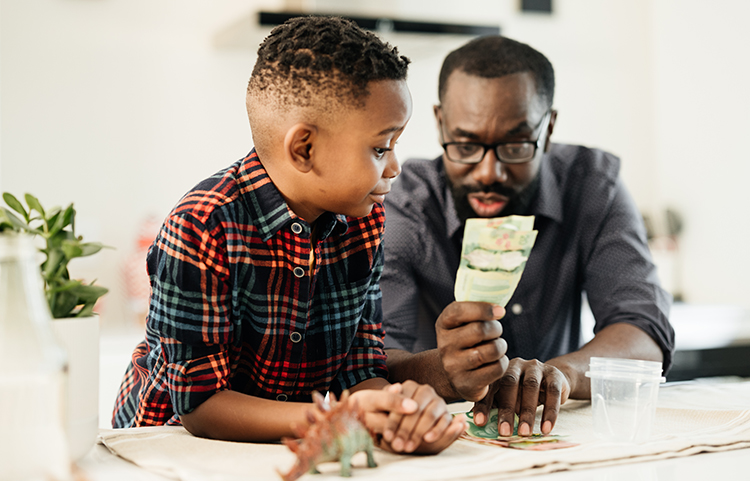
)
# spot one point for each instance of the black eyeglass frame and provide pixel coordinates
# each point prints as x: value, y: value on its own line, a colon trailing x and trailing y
x: 495, y: 146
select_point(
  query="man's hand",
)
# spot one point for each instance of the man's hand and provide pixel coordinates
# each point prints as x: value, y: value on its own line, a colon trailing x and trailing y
x: 411, y: 417
x: 470, y: 347
x: 524, y: 386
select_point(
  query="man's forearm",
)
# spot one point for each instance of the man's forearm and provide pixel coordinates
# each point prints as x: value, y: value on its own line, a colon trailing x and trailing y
x: 621, y: 340
x: 424, y: 367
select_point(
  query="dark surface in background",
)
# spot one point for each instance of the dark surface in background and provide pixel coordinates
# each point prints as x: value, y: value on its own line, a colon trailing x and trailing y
x: 724, y: 361
x: 390, y: 24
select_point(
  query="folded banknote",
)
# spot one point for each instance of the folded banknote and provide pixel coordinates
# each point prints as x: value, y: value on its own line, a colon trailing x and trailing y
x: 493, y: 257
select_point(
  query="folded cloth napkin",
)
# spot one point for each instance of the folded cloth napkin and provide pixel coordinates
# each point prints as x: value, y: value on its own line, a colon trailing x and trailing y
x: 691, y: 418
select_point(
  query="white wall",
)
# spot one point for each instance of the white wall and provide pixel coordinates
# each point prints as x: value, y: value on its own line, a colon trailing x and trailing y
x: 122, y: 105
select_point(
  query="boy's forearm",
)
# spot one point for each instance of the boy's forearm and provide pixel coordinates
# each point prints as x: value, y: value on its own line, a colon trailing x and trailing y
x: 424, y: 367
x: 233, y: 416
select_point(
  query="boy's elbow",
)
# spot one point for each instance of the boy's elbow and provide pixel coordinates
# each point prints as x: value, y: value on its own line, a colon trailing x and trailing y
x: 196, y: 426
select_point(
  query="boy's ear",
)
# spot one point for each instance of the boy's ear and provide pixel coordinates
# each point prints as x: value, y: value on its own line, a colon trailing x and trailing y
x: 299, y: 145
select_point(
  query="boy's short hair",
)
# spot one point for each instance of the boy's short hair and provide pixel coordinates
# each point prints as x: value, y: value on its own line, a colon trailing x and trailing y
x: 496, y: 56
x: 308, y: 57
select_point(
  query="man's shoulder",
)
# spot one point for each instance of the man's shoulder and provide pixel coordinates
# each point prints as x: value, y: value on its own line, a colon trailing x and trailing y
x: 419, y: 183
x: 578, y: 162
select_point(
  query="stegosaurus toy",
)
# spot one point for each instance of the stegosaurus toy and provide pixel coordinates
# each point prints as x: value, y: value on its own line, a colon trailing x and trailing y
x: 335, y: 436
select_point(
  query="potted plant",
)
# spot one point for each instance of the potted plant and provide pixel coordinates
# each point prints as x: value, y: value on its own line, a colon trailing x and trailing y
x: 71, y: 304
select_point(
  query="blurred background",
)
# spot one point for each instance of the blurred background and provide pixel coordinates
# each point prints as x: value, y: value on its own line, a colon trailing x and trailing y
x: 121, y: 106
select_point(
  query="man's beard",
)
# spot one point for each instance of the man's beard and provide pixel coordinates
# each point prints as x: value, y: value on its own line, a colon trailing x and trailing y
x: 518, y: 202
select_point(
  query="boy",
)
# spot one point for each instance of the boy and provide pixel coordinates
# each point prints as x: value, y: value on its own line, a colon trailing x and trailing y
x: 265, y: 277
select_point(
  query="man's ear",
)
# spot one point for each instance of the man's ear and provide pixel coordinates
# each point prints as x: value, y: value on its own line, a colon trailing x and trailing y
x: 299, y: 145
x: 550, y: 128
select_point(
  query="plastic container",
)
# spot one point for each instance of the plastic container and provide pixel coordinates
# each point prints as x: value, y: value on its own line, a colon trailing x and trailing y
x: 623, y: 397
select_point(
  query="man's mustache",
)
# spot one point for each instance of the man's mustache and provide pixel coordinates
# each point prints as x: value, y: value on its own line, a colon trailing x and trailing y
x: 487, y: 189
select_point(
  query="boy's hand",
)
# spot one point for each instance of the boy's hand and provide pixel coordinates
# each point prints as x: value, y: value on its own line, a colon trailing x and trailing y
x: 430, y: 429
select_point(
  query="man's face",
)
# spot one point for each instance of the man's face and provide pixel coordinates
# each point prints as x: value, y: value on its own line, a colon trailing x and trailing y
x: 490, y: 110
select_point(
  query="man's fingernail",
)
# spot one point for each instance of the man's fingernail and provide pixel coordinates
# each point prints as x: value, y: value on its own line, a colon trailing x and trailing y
x: 409, y: 404
x: 547, y: 427
x: 523, y: 429
x: 479, y: 419
x: 498, y: 311
x: 505, y: 429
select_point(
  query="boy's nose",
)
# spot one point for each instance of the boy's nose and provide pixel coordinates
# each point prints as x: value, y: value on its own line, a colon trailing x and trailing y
x: 392, y: 168
x: 489, y: 170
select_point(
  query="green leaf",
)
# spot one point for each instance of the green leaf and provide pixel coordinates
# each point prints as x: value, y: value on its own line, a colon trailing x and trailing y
x: 71, y: 249
x: 91, y: 248
x: 88, y: 294
x: 18, y: 223
x: 69, y: 216
x: 15, y: 204
x: 56, y: 223
x: 55, y: 258
x: 86, y: 311
x: 62, y: 304
x: 33, y: 203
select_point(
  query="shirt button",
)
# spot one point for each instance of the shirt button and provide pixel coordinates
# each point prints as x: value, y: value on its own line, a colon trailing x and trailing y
x: 296, y: 228
x: 282, y: 397
x: 299, y: 272
x: 296, y: 337
x: 516, y: 309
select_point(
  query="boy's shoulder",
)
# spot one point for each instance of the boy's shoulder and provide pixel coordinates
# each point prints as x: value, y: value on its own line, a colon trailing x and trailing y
x: 219, y: 190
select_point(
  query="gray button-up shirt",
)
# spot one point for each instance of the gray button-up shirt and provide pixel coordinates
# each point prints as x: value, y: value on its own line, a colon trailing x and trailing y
x: 591, y: 239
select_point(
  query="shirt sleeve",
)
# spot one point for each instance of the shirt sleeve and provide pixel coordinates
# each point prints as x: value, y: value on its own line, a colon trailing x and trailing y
x: 190, y: 310
x: 366, y: 358
x: 621, y: 281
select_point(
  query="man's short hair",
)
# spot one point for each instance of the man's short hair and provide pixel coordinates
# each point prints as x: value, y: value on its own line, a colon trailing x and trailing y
x: 330, y: 57
x: 496, y: 56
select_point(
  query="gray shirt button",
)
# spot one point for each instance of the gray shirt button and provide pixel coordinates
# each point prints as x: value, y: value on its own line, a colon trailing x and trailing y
x: 282, y: 397
x: 296, y: 228
x: 296, y: 337
x: 299, y: 272
x: 516, y: 309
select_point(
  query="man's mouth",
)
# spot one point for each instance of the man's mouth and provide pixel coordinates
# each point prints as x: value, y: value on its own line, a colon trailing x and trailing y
x: 488, y: 204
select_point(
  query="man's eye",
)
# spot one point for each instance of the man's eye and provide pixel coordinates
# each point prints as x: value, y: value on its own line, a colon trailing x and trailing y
x: 466, y: 149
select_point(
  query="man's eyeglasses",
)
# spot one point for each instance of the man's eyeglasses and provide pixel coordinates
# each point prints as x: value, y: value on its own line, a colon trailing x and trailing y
x: 510, y: 152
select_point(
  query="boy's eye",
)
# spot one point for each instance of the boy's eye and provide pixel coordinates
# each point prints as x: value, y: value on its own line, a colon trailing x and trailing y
x: 380, y: 151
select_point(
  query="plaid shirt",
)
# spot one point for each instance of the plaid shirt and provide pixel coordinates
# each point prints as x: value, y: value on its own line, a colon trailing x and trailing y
x: 234, y: 306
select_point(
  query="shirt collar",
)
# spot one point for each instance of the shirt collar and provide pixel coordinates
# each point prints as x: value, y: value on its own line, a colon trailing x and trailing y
x: 549, y: 200
x: 269, y: 211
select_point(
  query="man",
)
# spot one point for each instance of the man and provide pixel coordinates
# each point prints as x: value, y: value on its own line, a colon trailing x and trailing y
x: 495, y: 119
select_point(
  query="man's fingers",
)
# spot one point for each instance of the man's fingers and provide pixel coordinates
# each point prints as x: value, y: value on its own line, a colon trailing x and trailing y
x: 506, y: 398
x: 556, y: 389
x: 457, y: 314
x: 531, y: 383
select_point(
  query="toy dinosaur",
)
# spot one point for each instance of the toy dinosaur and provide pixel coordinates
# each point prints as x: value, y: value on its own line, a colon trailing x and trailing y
x: 335, y: 435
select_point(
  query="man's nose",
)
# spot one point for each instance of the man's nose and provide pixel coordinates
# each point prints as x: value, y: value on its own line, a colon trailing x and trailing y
x: 489, y: 170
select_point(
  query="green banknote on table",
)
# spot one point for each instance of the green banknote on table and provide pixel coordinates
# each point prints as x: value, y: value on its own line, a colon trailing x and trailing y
x: 493, y: 257
x: 488, y: 435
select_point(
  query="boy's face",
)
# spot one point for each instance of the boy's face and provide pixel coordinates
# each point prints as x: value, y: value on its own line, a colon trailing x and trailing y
x: 354, y: 154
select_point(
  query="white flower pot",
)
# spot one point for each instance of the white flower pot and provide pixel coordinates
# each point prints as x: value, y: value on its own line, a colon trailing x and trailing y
x: 80, y: 339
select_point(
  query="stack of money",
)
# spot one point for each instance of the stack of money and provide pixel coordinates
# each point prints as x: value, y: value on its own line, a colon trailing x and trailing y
x: 493, y: 256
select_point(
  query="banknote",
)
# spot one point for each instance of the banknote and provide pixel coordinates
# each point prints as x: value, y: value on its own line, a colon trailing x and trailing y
x: 493, y: 256
x: 488, y: 435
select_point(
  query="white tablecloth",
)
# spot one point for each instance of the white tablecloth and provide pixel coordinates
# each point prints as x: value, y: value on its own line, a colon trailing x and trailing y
x: 691, y: 418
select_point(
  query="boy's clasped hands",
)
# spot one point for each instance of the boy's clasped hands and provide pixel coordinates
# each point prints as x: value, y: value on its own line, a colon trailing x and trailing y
x: 408, y: 417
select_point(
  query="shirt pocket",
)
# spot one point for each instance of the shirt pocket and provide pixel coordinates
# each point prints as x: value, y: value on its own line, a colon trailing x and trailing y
x: 335, y: 318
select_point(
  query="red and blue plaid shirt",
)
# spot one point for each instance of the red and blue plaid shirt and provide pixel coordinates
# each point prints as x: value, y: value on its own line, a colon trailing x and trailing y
x: 235, y: 306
